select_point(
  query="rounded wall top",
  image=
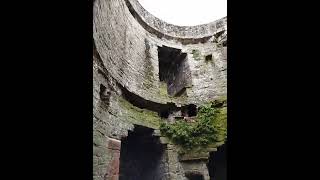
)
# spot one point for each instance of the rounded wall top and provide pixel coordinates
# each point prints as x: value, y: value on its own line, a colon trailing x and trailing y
x: 160, y: 28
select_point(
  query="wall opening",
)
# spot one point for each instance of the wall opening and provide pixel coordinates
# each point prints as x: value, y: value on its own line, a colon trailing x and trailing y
x: 189, y: 110
x: 142, y: 156
x: 104, y: 95
x: 173, y: 69
x: 217, y: 164
x: 209, y: 57
x: 164, y: 114
x: 194, y: 176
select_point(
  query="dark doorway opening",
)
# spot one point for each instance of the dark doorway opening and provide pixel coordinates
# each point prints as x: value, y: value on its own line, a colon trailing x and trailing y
x: 142, y: 156
x: 193, y: 176
x: 217, y: 165
x: 173, y: 69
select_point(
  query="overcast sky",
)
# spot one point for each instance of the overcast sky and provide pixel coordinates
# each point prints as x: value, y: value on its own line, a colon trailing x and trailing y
x: 186, y: 12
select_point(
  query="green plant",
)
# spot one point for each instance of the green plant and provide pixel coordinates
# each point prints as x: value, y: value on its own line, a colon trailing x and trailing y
x: 209, y: 128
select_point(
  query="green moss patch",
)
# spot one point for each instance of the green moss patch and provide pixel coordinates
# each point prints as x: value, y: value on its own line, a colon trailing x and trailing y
x: 139, y: 116
x: 196, y: 54
x: 209, y: 129
x: 163, y: 89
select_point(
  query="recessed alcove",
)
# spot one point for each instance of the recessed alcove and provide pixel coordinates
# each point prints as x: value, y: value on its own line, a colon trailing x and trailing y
x: 173, y: 69
x: 142, y: 156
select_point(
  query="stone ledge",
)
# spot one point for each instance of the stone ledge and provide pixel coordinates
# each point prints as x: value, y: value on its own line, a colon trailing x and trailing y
x: 156, y: 132
x: 211, y: 149
x: 164, y: 140
x: 194, y: 156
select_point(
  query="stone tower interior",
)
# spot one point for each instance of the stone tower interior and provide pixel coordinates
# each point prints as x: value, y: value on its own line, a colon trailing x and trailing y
x: 148, y: 74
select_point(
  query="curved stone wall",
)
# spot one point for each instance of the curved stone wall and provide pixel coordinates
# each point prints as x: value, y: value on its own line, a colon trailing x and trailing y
x: 127, y: 90
x: 129, y: 51
x: 181, y: 32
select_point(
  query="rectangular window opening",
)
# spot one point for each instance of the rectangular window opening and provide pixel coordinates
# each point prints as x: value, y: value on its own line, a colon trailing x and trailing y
x: 173, y: 69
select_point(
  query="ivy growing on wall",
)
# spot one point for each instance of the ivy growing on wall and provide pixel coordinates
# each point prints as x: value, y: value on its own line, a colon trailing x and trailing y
x: 209, y: 128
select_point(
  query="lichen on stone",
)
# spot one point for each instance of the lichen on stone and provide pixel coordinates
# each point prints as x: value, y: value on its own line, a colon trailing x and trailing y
x: 163, y: 89
x: 139, y: 116
x: 163, y: 95
x: 196, y: 54
x: 148, y: 67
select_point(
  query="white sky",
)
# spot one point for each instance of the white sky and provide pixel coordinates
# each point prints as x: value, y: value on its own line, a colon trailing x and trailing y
x: 186, y: 12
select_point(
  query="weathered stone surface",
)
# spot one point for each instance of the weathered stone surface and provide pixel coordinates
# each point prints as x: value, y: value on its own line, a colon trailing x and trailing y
x: 196, y: 167
x: 192, y: 157
x: 121, y: 43
x: 113, y: 168
x: 114, y: 144
x: 156, y: 132
x: 164, y: 140
x: 179, y: 32
x: 126, y: 67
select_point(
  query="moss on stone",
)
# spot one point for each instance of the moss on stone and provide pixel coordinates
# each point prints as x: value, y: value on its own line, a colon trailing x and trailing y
x: 209, y: 130
x: 139, y: 116
x: 148, y: 68
x: 163, y: 89
x: 163, y: 94
x: 148, y: 78
x: 196, y: 54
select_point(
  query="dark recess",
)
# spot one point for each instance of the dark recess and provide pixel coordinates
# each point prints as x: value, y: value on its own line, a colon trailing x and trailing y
x: 217, y: 164
x: 173, y: 69
x: 209, y: 57
x: 189, y: 110
x: 104, y: 95
x: 141, y: 156
x: 193, y: 176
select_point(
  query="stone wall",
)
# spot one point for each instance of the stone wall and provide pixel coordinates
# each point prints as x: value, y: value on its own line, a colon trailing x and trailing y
x: 173, y: 31
x: 126, y: 87
x: 129, y: 53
